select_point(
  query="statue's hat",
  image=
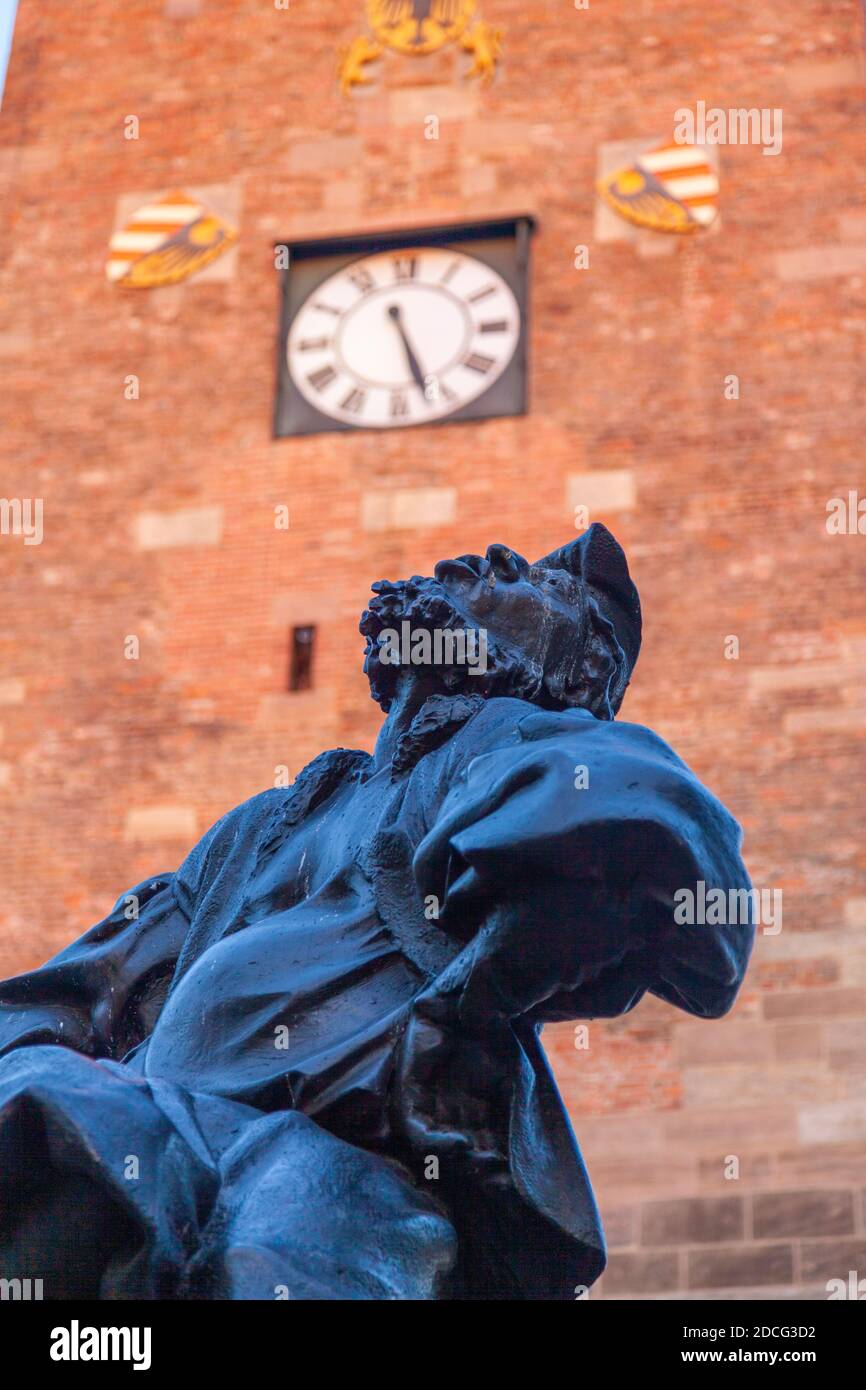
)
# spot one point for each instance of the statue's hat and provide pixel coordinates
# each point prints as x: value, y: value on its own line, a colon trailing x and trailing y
x: 599, y: 561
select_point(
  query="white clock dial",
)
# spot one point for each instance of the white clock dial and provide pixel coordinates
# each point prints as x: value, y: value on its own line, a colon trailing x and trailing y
x: 403, y: 337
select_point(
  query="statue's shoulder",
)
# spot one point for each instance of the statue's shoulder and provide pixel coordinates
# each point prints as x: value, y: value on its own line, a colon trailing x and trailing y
x: 290, y: 804
x: 513, y: 726
x: 331, y: 770
x: 460, y: 728
x: 507, y: 722
x: 617, y: 735
x: 627, y: 758
x: 249, y: 832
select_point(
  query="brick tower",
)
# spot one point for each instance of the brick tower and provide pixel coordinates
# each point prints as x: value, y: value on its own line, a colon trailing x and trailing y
x: 703, y: 395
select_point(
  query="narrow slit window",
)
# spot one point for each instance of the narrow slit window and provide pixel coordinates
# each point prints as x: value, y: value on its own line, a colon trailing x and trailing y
x: 301, y: 658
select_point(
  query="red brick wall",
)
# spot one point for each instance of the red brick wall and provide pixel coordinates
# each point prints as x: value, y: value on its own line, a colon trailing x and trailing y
x: 110, y: 768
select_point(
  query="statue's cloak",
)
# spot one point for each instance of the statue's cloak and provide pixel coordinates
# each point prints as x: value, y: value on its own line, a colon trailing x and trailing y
x: 321, y: 953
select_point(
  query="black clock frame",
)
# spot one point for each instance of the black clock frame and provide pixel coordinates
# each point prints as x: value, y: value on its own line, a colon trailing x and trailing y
x: 502, y: 243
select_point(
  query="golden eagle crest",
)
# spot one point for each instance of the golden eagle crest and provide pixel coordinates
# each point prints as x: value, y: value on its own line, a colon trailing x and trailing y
x: 416, y: 28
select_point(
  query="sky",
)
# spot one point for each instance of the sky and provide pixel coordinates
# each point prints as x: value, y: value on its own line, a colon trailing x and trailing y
x: 7, y: 24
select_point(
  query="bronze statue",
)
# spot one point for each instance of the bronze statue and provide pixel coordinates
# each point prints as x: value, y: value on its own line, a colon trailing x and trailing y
x: 307, y: 1064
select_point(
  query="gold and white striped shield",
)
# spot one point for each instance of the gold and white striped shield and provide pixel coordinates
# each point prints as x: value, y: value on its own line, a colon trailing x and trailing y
x: 672, y: 188
x: 165, y: 241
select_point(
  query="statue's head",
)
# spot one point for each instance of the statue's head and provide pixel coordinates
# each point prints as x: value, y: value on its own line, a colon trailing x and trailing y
x: 561, y: 633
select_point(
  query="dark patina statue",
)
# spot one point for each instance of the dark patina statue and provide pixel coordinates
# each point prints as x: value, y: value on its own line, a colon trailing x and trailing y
x: 307, y: 1064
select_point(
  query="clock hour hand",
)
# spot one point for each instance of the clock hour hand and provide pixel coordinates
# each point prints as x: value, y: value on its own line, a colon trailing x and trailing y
x: 414, y: 365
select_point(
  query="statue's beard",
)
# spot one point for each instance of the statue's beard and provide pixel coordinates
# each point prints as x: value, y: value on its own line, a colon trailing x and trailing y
x: 427, y: 607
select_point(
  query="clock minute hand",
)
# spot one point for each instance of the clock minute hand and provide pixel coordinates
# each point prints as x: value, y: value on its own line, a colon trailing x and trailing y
x: 414, y: 365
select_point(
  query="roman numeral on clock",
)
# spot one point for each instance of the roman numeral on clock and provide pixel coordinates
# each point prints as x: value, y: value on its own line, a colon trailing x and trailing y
x: 494, y: 326
x: 322, y: 378
x: 477, y: 362
x: 362, y: 279
x: 310, y: 344
x: 354, y: 401
x: 405, y: 267
x: 436, y: 390
x: 399, y: 404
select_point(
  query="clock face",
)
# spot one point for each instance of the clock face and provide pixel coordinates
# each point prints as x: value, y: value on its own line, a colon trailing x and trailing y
x: 403, y: 337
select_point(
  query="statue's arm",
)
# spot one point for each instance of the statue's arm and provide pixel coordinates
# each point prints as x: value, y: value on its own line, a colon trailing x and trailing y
x: 101, y: 995
x: 558, y: 858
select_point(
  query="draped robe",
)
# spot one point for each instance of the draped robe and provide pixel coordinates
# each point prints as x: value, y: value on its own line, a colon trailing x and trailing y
x: 308, y: 1064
